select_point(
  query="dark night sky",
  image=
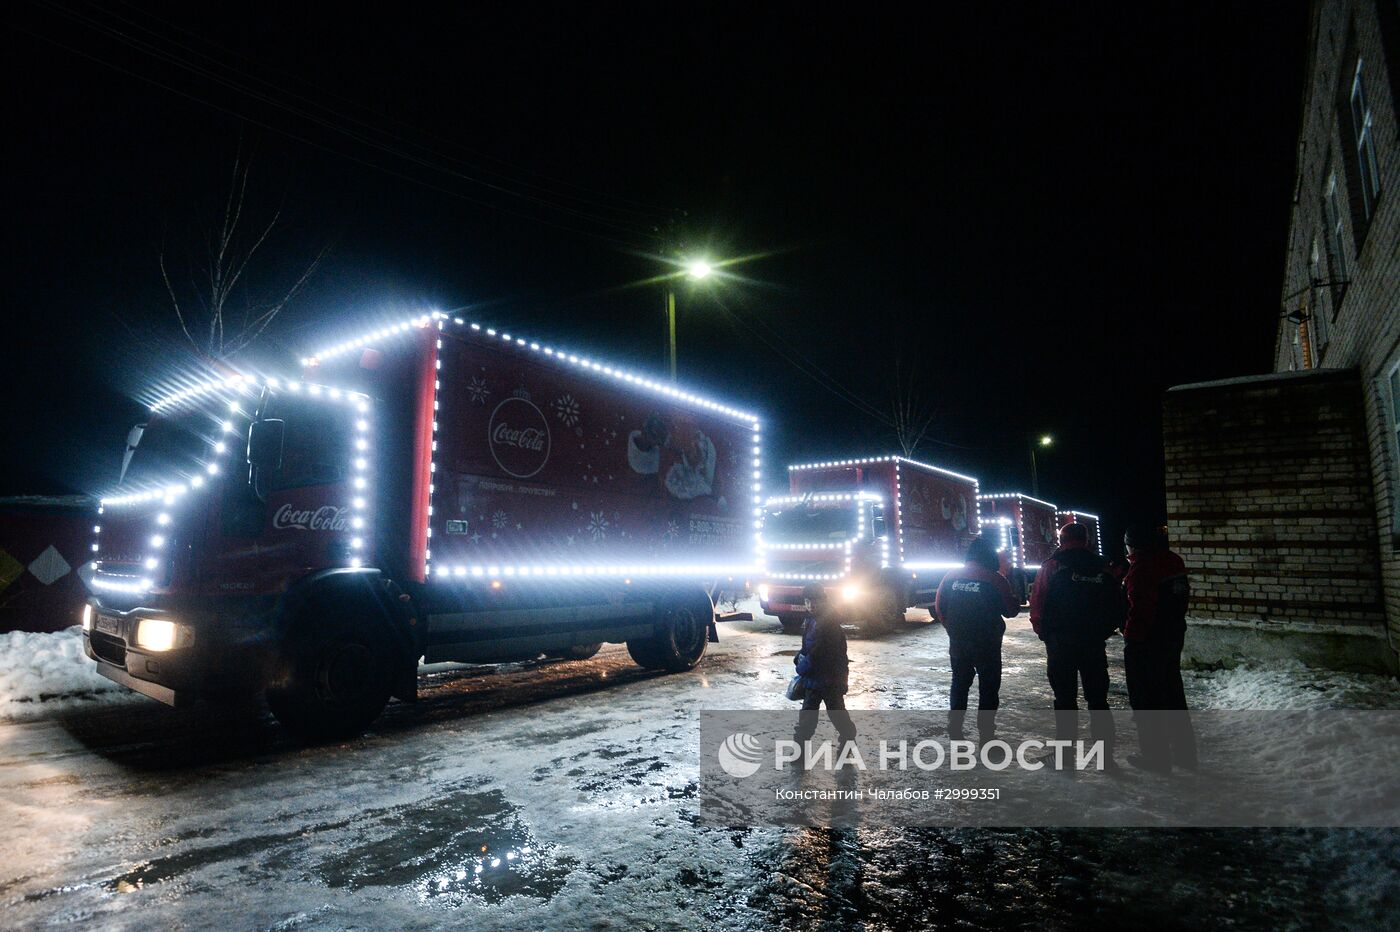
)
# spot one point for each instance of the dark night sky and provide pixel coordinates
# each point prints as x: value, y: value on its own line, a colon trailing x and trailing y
x: 1052, y: 211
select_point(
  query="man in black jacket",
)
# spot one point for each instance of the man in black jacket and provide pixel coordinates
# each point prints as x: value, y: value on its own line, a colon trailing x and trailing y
x: 1076, y: 604
x: 823, y: 665
x: 971, y: 604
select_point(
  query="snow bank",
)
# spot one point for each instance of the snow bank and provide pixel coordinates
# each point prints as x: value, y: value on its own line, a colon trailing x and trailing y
x: 43, y: 673
x: 1290, y: 686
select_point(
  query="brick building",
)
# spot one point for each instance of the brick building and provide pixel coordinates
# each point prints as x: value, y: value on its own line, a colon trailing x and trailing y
x: 1283, y: 491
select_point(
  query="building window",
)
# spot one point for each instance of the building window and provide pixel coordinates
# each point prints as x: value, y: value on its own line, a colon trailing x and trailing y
x: 1336, y: 248
x: 1317, y: 311
x: 1364, y: 144
x: 1393, y: 386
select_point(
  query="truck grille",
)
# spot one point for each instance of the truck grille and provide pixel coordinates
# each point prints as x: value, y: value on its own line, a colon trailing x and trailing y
x: 108, y: 648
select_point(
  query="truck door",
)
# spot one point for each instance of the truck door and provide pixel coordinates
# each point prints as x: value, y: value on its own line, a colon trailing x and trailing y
x: 291, y: 513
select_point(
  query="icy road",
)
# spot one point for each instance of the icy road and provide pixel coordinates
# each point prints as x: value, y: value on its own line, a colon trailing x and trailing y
x: 564, y: 796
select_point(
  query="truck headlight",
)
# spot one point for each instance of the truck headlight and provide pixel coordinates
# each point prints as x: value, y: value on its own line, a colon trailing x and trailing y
x: 850, y: 593
x: 763, y: 592
x: 155, y: 634
x: 87, y: 617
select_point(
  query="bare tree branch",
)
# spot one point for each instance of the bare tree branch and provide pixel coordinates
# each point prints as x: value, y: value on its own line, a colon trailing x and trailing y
x: 912, y: 412
x: 224, y: 281
x: 174, y: 301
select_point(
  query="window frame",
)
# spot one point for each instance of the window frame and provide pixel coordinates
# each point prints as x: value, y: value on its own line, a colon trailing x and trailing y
x: 1390, y: 389
x: 1339, y: 266
x: 1317, y: 317
x: 1363, y: 142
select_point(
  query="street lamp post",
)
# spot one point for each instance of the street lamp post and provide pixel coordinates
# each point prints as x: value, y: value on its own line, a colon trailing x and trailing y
x: 1044, y: 440
x: 695, y: 270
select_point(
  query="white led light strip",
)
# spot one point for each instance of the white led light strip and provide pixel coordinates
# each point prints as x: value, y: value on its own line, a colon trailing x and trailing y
x: 1098, y: 525
x: 497, y: 571
x: 583, y: 362
x: 867, y: 460
x: 1002, y: 495
x: 825, y: 497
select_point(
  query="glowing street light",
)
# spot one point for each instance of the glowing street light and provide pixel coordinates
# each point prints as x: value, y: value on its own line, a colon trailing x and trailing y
x: 695, y: 270
x: 1044, y: 441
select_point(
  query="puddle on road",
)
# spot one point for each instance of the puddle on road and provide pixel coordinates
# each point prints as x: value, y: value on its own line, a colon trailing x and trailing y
x: 159, y: 870
x: 464, y: 846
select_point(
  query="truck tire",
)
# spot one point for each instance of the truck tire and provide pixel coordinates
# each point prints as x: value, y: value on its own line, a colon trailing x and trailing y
x: 886, y: 611
x: 681, y: 637
x: 582, y: 651
x: 338, y: 682
x: 792, y: 624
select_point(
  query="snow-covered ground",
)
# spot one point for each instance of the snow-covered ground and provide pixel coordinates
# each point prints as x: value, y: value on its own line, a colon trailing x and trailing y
x: 564, y: 796
x: 43, y: 674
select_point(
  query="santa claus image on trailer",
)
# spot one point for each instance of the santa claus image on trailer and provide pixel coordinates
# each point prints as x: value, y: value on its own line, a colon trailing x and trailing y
x: 679, y: 454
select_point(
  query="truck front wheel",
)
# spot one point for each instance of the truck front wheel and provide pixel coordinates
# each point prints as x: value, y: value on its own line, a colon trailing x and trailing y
x: 338, y: 682
x: 792, y: 624
x: 582, y: 651
x: 886, y: 611
x: 680, y: 639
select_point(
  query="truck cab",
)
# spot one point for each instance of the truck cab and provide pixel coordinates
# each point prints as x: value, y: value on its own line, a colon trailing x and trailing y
x: 232, y: 497
x: 879, y: 533
x: 840, y: 539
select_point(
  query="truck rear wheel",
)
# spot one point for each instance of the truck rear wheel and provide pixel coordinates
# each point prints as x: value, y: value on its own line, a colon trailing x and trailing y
x: 338, y: 683
x: 680, y: 639
x: 581, y: 651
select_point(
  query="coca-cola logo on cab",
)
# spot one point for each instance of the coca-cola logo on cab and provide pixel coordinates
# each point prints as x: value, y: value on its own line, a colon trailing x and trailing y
x: 519, y: 437
x: 325, y: 518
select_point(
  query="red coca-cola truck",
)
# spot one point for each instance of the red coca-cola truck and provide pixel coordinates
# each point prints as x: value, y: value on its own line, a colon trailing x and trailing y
x: 433, y: 489
x: 1026, y: 531
x: 878, y: 533
x: 1090, y: 522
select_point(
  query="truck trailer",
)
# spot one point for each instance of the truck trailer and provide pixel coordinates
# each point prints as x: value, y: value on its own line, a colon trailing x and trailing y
x: 432, y: 490
x: 878, y: 533
x: 1026, y: 530
x: 1091, y: 523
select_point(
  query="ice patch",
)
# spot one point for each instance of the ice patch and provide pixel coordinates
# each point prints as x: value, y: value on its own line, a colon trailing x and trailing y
x: 1290, y: 686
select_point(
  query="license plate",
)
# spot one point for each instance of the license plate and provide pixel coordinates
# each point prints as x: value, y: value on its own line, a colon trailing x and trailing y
x: 107, y: 625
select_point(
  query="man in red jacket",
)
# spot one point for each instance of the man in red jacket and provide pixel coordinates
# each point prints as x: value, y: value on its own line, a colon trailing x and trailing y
x: 971, y: 604
x: 1158, y: 591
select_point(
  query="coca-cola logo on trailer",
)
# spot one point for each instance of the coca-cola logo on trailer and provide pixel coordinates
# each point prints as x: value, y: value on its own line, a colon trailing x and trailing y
x: 325, y: 518
x: 519, y: 437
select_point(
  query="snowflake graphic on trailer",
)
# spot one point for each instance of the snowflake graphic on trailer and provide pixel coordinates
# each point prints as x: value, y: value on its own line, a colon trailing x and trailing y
x: 566, y: 409
x: 673, y: 530
x: 597, y: 525
x: 477, y: 390
x: 500, y: 519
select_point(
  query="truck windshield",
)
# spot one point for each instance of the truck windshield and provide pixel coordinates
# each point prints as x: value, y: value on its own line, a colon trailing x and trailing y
x: 809, y: 525
x: 171, y: 449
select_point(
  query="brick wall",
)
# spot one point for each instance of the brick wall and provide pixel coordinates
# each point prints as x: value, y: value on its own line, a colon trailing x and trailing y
x: 1269, y: 500
x: 1356, y: 326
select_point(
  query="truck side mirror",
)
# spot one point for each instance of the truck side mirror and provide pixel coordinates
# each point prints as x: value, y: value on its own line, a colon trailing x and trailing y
x: 265, y: 445
x: 133, y: 438
x: 879, y: 528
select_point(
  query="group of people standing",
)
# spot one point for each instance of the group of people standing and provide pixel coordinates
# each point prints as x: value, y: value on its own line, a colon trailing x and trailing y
x: 1078, y: 602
